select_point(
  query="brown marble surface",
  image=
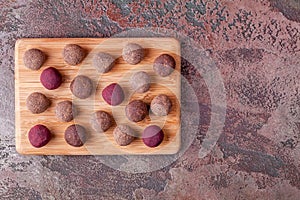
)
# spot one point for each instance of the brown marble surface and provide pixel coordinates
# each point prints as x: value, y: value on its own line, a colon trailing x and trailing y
x: 255, y: 47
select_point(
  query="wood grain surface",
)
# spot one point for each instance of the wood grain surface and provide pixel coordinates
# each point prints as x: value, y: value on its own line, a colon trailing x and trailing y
x: 27, y: 81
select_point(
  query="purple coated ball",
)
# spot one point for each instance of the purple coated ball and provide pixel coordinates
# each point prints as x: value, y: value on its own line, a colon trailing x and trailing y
x: 39, y: 135
x: 51, y: 78
x: 152, y: 136
x: 113, y: 94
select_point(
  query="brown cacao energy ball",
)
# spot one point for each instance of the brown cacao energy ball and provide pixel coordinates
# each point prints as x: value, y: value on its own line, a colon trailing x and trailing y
x: 161, y: 105
x: 81, y: 87
x: 37, y: 102
x: 123, y: 135
x: 39, y: 136
x: 133, y: 53
x: 136, y: 110
x: 152, y: 136
x: 33, y: 59
x: 164, y: 65
x: 75, y: 135
x: 140, y: 82
x: 103, y: 62
x: 113, y: 94
x: 101, y: 121
x: 73, y: 54
x: 51, y: 78
x: 65, y: 111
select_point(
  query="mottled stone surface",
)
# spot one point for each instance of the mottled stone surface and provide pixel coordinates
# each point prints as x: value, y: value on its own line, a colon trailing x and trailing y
x: 256, y: 48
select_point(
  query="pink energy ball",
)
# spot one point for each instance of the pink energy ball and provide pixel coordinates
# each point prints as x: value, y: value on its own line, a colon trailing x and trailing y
x: 39, y: 135
x: 152, y: 136
x: 51, y: 78
x: 113, y: 94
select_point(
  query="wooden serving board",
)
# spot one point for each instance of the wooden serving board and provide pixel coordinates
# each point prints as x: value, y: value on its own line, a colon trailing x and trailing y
x: 27, y: 81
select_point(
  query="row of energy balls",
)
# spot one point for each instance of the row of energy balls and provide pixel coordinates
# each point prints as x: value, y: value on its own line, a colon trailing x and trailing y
x: 82, y: 87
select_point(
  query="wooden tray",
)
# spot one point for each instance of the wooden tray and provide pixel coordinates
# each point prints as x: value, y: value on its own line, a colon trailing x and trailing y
x: 27, y: 81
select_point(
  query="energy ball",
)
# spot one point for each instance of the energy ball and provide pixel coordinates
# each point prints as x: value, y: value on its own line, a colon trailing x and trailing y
x: 39, y: 135
x: 103, y: 62
x: 123, y: 135
x: 161, y: 105
x: 65, y: 111
x: 133, y: 53
x: 75, y: 135
x: 136, y: 110
x: 81, y: 87
x: 73, y: 54
x: 101, y: 121
x: 33, y: 59
x: 113, y: 94
x: 51, y: 78
x: 152, y: 136
x: 164, y: 65
x: 140, y: 82
x: 37, y: 102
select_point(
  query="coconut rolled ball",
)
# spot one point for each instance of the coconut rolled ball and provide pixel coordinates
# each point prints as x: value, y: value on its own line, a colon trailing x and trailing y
x: 136, y: 110
x: 101, y: 121
x: 133, y: 53
x: 75, y: 135
x: 33, y: 59
x: 81, y: 87
x: 73, y: 54
x: 37, y: 102
x: 65, y: 111
x: 152, y: 136
x: 39, y: 135
x: 103, y: 62
x: 164, y: 65
x: 123, y: 135
x: 51, y: 78
x: 161, y: 105
x: 140, y: 82
x: 113, y: 94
